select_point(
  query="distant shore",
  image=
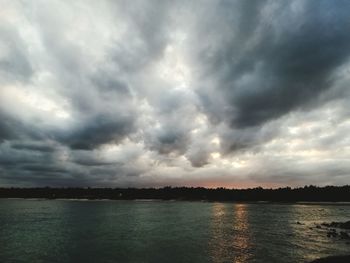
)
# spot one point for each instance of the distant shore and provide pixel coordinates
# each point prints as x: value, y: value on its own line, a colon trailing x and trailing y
x: 303, y: 195
x: 178, y: 200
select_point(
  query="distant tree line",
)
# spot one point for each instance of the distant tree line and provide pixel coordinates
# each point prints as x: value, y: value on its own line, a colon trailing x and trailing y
x: 286, y: 194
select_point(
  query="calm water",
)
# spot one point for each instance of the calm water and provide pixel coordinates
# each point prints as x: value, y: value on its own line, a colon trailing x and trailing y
x: 144, y: 231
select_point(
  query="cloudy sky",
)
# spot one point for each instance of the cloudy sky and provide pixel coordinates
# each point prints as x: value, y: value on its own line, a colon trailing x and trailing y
x: 195, y: 93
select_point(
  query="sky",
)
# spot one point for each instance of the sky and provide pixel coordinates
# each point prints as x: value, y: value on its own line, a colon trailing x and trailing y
x: 181, y: 93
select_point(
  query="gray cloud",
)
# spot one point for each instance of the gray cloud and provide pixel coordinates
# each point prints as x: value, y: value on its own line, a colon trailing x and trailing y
x: 33, y: 146
x: 283, y: 60
x: 168, y: 141
x: 113, y: 93
x: 14, y: 61
x: 100, y: 129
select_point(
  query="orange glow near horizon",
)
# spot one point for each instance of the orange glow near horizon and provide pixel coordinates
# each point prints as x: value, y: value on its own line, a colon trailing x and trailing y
x: 230, y: 185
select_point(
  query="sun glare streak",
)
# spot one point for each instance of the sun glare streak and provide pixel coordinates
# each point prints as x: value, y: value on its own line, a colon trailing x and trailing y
x: 241, y: 240
x: 231, y: 237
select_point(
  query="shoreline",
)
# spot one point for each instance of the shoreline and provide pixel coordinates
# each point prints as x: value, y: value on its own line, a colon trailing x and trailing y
x: 307, y: 195
x: 335, y: 203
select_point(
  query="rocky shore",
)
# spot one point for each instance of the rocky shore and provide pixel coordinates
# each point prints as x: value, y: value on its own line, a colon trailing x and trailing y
x: 336, y: 259
x: 338, y: 230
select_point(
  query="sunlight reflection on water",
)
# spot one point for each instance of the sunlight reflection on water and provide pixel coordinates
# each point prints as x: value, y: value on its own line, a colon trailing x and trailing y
x: 242, y: 241
x: 231, y: 237
x: 243, y: 232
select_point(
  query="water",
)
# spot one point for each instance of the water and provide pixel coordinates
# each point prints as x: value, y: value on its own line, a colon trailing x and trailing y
x: 139, y: 231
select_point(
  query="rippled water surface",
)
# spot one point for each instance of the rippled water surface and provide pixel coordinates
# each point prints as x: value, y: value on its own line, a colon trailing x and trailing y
x: 152, y: 231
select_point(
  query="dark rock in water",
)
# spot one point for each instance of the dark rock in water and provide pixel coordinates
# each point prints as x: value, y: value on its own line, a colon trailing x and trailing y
x: 332, y: 234
x: 339, y: 225
x: 299, y: 223
x: 337, y: 259
x: 344, y: 235
x: 343, y: 225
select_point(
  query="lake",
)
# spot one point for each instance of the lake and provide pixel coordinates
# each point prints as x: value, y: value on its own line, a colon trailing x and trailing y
x: 165, y: 231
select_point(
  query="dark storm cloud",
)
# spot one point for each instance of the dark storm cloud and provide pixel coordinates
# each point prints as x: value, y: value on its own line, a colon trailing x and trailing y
x: 29, y: 163
x: 7, y: 128
x: 145, y: 93
x: 99, y: 130
x: 278, y: 61
x: 33, y: 146
x: 86, y: 158
x: 89, y: 162
x: 25, y: 153
x: 12, y: 128
x: 249, y: 138
x: 42, y: 168
x: 170, y: 141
